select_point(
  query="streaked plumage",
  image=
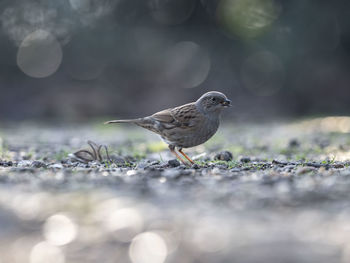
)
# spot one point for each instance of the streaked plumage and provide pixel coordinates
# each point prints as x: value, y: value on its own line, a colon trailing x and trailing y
x: 188, y: 125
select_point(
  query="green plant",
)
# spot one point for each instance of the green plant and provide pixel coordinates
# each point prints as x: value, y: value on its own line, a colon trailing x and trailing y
x: 62, y: 154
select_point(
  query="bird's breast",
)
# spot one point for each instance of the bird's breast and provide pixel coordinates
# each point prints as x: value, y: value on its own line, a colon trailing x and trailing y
x: 203, y: 132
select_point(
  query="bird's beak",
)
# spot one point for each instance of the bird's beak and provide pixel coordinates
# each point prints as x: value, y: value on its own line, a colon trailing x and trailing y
x: 226, y: 103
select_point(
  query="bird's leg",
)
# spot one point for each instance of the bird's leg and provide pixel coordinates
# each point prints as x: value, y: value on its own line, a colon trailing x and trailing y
x: 172, y: 149
x: 185, y: 155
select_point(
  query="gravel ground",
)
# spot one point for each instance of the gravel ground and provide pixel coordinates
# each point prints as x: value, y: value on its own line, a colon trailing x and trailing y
x: 272, y: 192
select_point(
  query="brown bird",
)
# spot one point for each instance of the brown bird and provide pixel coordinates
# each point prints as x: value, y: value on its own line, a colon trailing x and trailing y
x: 188, y: 125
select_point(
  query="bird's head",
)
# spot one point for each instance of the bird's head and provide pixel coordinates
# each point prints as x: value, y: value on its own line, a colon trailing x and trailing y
x: 213, y: 101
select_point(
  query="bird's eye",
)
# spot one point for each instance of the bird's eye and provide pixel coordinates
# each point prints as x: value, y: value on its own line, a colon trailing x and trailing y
x: 213, y: 99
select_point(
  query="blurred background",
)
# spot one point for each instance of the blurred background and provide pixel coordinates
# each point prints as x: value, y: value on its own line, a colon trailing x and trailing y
x: 270, y: 192
x: 74, y: 60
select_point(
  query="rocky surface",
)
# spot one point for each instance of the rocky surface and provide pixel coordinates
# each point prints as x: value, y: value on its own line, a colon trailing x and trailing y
x: 276, y: 192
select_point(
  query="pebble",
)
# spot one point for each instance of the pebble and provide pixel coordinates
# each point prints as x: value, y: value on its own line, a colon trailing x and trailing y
x: 221, y: 166
x: 129, y: 159
x: 224, y: 156
x: 146, y: 164
x: 245, y: 159
x: 24, y: 163
x: 181, y: 167
x: 6, y: 164
x: 304, y: 170
x: 195, y: 166
x: 56, y: 166
x: 117, y: 159
x: 38, y: 164
x: 293, y: 143
x: 279, y: 162
x: 142, y: 165
x: 288, y: 168
x: 317, y: 165
x: 338, y: 165
x: 173, y: 163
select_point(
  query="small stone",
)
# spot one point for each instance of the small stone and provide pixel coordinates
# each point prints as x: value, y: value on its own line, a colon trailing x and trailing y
x: 142, y: 165
x: 173, y: 163
x: 224, y: 156
x: 24, y: 163
x: 313, y: 164
x: 131, y: 172
x: 341, y: 147
x: 235, y: 170
x: 38, y: 164
x: 56, y: 166
x: 288, y: 167
x: 338, y: 165
x: 195, y: 166
x: 129, y: 159
x: 304, y: 170
x: 6, y: 164
x: 245, y: 160
x: 67, y: 161
x: 162, y: 180
x: 181, y: 167
x: 156, y: 162
x: 282, y: 163
x: 293, y: 143
x: 221, y: 166
x: 117, y: 159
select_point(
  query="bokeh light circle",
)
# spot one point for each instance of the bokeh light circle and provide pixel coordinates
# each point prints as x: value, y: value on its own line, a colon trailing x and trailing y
x: 210, y: 235
x: 263, y: 73
x: 44, y: 252
x: 39, y: 54
x: 125, y: 223
x: 148, y: 247
x: 185, y: 65
x: 247, y: 18
x: 59, y: 230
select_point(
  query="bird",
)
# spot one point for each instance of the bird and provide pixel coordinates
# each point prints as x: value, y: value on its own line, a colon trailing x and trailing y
x: 187, y: 125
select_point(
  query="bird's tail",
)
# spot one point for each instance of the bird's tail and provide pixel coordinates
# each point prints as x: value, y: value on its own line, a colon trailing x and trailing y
x: 123, y: 121
x: 148, y: 123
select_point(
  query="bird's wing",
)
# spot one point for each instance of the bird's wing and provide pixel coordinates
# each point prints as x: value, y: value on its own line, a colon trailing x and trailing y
x: 179, y: 116
x: 187, y: 115
x: 164, y: 116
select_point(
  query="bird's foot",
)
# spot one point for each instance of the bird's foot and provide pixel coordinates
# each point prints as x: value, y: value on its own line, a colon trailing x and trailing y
x: 185, y: 155
x: 179, y: 157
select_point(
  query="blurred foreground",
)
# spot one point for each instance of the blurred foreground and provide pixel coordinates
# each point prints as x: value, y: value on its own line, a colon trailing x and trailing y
x: 284, y: 197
